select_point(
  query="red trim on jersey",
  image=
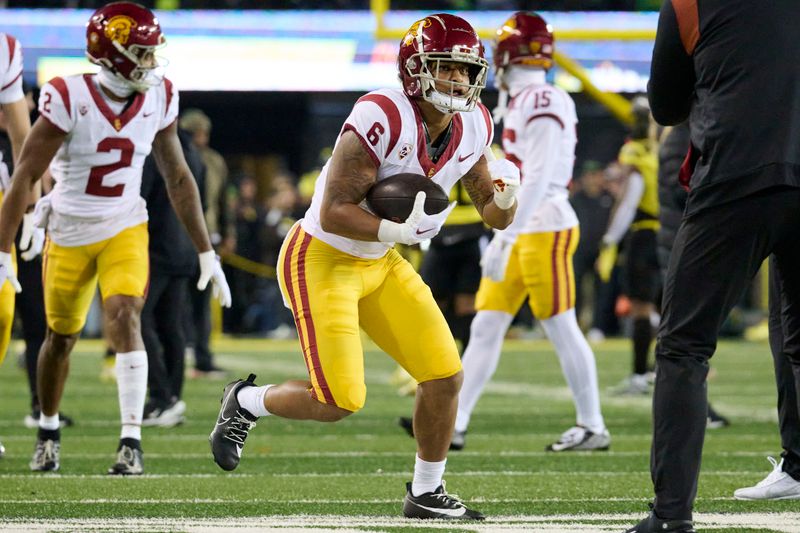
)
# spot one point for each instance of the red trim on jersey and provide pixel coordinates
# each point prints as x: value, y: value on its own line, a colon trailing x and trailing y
x: 422, y: 153
x: 9, y: 84
x: 47, y: 119
x: 12, y: 46
x: 547, y: 115
x: 61, y: 86
x: 554, y: 266
x: 117, y: 121
x: 364, y: 143
x: 168, y: 88
x: 488, y: 118
x: 566, y: 266
x: 392, y: 113
x: 688, y: 18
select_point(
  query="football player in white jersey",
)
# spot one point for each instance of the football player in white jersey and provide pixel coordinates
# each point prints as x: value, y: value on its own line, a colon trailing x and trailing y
x: 18, y: 123
x: 97, y: 131
x: 533, y: 256
x: 338, y: 270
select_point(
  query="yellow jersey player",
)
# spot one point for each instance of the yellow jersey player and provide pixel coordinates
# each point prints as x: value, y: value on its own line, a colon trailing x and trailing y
x: 636, y: 214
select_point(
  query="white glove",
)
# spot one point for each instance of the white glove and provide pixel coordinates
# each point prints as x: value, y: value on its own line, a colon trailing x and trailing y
x: 5, y: 178
x: 418, y: 227
x: 495, y: 258
x: 31, y: 241
x: 211, y: 270
x: 505, y: 178
x: 7, y: 272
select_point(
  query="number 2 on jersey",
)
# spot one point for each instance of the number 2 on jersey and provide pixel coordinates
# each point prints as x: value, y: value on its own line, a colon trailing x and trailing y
x: 95, y: 185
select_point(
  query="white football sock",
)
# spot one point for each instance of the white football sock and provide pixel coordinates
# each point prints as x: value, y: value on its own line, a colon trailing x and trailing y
x: 49, y: 422
x: 131, y: 368
x: 252, y: 399
x: 427, y: 476
x: 487, y: 332
x: 578, y: 366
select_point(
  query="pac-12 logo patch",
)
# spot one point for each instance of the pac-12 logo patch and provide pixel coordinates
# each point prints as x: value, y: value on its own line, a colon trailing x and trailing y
x: 405, y: 150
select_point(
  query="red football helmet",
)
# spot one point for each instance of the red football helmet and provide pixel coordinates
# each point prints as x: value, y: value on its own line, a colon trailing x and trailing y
x: 122, y: 37
x: 442, y: 38
x: 524, y: 39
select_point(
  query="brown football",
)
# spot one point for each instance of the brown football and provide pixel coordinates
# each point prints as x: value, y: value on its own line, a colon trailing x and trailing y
x: 392, y: 198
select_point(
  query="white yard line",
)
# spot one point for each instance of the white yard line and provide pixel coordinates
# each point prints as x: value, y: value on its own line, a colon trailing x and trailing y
x: 380, y: 473
x: 783, y: 522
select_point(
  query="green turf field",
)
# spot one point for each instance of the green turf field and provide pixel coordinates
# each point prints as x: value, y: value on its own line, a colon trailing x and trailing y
x: 350, y: 476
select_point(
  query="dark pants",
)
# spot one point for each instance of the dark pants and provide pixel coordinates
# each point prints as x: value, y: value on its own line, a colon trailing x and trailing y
x: 30, y: 309
x: 162, y: 331
x: 716, y: 254
x: 197, y: 325
x: 788, y: 419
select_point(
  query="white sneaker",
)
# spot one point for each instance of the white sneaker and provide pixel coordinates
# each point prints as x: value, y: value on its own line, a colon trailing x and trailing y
x: 595, y: 336
x: 166, y: 417
x: 580, y: 438
x: 633, y: 385
x: 778, y: 485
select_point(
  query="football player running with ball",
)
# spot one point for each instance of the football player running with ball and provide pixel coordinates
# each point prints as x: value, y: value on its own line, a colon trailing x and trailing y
x: 533, y: 256
x: 338, y: 270
x: 97, y: 130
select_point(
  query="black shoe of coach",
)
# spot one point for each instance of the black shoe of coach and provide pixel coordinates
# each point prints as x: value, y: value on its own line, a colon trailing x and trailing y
x: 654, y: 524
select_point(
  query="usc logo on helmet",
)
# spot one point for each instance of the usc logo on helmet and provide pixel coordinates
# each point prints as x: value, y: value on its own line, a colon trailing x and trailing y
x: 412, y: 31
x: 118, y: 28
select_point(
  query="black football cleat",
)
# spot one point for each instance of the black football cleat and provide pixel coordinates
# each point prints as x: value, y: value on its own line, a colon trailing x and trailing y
x: 407, y: 423
x: 437, y: 504
x: 233, y: 424
x: 654, y: 524
x: 130, y: 459
x: 458, y: 441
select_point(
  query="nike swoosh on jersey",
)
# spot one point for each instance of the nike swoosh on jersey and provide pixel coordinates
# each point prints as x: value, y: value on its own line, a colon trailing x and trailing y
x: 449, y: 512
x: 461, y: 159
x: 145, y: 115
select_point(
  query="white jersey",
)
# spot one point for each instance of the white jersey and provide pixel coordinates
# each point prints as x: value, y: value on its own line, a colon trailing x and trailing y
x: 98, y: 168
x: 10, y: 85
x: 390, y: 128
x: 539, y: 136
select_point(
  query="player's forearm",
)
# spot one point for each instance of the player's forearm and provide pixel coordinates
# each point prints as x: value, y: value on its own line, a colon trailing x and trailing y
x: 349, y: 220
x: 496, y: 217
x: 185, y: 200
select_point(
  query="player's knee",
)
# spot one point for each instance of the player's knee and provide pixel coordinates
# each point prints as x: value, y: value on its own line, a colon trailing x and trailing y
x: 333, y: 413
x: 352, y: 400
x: 59, y: 344
x: 448, y: 387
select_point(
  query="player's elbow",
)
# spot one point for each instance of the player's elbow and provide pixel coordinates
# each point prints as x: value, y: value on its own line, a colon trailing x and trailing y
x: 328, y: 218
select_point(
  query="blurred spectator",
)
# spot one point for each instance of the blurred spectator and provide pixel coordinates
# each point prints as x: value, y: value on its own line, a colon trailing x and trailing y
x: 248, y: 217
x: 266, y: 313
x: 592, y: 202
x: 172, y: 263
x: 217, y: 218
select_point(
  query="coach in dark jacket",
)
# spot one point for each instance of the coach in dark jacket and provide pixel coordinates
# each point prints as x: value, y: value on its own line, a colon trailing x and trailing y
x: 173, y: 262
x: 731, y: 67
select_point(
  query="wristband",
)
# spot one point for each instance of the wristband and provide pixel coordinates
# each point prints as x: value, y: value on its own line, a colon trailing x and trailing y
x: 389, y: 231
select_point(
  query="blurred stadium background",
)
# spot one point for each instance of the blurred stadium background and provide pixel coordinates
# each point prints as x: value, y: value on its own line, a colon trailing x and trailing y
x: 276, y: 79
